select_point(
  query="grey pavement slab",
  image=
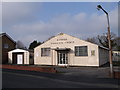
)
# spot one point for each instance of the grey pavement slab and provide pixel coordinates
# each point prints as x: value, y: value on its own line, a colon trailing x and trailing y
x: 27, y: 79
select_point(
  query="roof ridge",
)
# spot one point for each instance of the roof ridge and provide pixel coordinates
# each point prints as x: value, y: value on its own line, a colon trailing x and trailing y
x: 2, y: 34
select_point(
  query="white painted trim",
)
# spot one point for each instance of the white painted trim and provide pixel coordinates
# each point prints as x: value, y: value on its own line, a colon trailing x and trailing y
x: 18, y: 50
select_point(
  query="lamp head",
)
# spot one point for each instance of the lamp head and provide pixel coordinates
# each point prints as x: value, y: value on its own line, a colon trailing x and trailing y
x: 99, y: 7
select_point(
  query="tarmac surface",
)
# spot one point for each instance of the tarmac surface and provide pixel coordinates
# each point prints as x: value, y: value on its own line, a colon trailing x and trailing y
x: 66, y: 77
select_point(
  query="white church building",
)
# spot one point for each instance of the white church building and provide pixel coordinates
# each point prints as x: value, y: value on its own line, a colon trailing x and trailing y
x: 66, y: 50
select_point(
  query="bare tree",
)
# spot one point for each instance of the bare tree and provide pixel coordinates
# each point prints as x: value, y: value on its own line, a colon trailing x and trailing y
x: 92, y: 40
x: 117, y: 41
x: 103, y: 40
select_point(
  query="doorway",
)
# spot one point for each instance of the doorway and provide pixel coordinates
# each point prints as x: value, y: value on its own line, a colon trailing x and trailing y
x: 62, y: 58
x: 18, y: 58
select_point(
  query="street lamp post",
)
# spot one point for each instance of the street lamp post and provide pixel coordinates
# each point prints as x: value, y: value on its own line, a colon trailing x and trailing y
x: 109, y: 42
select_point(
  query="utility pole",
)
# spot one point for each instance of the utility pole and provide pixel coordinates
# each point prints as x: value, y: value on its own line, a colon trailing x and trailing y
x: 109, y: 40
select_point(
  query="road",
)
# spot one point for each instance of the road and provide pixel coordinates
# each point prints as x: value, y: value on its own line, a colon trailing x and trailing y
x: 28, y: 79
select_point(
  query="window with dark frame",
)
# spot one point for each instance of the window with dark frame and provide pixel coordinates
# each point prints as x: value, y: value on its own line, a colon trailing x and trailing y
x: 81, y: 51
x: 45, y: 51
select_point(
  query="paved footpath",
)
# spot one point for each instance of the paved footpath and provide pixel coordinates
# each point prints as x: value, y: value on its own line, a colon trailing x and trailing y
x: 100, y: 72
x: 29, y: 79
x: 97, y: 72
x: 18, y: 76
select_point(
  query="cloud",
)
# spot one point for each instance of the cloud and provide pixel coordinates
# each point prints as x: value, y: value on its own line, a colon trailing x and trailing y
x: 114, y: 20
x: 18, y: 12
x: 80, y: 25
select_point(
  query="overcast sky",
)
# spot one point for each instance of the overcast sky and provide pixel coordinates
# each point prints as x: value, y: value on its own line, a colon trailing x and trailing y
x: 28, y: 21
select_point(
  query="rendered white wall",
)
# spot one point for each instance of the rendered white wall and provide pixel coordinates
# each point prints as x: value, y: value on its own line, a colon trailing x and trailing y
x: 73, y: 60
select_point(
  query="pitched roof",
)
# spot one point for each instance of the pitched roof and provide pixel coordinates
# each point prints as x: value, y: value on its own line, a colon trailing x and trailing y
x: 1, y: 34
x: 18, y: 50
x: 74, y: 37
x: 4, y: 34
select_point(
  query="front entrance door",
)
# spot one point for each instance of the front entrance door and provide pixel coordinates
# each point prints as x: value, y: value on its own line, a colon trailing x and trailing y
x: 62, y: 58
x: 19, y: 59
